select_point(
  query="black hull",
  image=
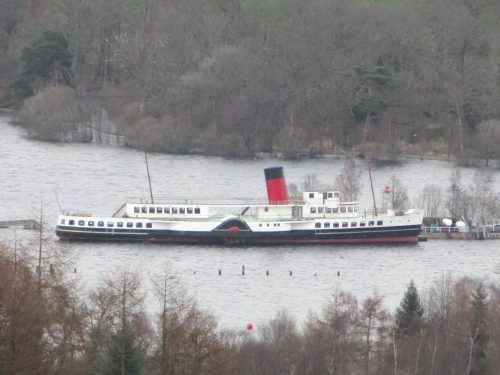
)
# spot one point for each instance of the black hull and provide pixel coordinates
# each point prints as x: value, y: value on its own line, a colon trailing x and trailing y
x: 403, y: 234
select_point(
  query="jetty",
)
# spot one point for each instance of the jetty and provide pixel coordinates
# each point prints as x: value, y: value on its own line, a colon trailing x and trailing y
x: 23, y: 224
x: 485, y: 232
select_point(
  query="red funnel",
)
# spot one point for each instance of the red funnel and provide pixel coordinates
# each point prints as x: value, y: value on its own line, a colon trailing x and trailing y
x: 275, y: 184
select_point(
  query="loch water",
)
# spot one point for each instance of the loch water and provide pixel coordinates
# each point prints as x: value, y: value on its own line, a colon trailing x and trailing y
x: 99, y: 178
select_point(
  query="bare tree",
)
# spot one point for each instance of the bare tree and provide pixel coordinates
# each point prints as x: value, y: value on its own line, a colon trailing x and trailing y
x: 398, y: 196
x: 374, y: 329
x: 348, y: 182
x: 430, y: 200
x: 311, y: 182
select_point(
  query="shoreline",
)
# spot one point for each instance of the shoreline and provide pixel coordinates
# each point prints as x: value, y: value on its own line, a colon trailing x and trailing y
x: 378, y: 158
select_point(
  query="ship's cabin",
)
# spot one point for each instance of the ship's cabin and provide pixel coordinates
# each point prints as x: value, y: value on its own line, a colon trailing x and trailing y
x: 327, y: 204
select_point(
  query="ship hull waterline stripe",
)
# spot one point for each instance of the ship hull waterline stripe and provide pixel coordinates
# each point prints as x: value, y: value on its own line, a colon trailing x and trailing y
x: 272, y: 238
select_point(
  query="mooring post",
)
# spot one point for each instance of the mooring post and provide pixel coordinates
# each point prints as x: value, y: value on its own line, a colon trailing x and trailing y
x: 243, y: 270
x: 267, y: 272
x: 220, y: 272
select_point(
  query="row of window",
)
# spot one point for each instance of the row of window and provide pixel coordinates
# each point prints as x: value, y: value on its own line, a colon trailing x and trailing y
x: 345, y: 224
x: 166, y: 210
x: 329, y: 210
x: 268, y: 224
x: 109, y: 224
x: 325, y: 195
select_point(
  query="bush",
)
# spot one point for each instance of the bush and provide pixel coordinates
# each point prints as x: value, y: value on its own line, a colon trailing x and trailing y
x: 54, y: 115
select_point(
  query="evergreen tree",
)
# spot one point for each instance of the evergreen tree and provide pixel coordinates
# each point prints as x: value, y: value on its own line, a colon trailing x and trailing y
x: 372, y: 93
x: 126, y: 354
x: 48, y: 60
x: 409, y: 314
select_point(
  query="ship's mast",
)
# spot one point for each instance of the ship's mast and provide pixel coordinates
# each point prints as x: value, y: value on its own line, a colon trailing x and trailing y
x: 149, y: 178
x: 371, y: 185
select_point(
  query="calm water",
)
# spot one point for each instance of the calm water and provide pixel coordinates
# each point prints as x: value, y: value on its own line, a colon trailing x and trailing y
x: 99, y: 178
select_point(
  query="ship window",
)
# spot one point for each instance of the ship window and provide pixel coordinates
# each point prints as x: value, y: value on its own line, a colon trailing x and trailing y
x: 321, y: 209
x: 335, y: 210
x: 317, y: 225
x: 355, y: 208
x: 371, y: 223
x: 311, y: 195
x: 350, y: 208
x: 167, y: 210
x: 313, y: 210
x: 111, y: 224
x: 91, y: 224
x: 197, y: 210
x: 280, y: 224
x: 71, y: 222
x: 130, y: 225
x: 328, y: 210
x: 362, y: 224
x: 260, y: 224
x: 354, y: 224
x: 336, y: 195
x: 159, y: 210
x: 100, y: 223
x: 119, y: 224
x: 342, y: 209
x: 266, y: 209
x: 63, y: 221
x: 144, y: 210
x: 380, y: 222
x: 149, y: 225
x: 138, y: 225
x: 330, y: 195
x: 174, y: 210
x: 327, y: 225
x: 151, y: 210
x: 137, y: 210
x: 182, y: 210
x: 189, y: 210
x: 81, y: 222
x: 335, y: 225
x: 345, y: 224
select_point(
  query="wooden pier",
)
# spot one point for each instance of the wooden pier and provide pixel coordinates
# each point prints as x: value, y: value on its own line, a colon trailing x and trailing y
x: 23, y: 224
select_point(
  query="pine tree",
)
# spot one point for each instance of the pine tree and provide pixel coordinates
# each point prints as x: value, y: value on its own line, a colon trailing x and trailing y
x: 409, y: 314
x: 47, y: 61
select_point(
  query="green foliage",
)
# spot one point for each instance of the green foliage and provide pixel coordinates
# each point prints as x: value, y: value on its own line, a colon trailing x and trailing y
x: 21, y: 87
x: 409, y: 314
x: 374, y: 85
x: 127, y: 350
x: 47, y: 59
x: 46, y: 55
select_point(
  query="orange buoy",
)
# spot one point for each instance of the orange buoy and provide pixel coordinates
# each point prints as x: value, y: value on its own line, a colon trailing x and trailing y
x: 234, y: 229
x: 387, y: 189
x: 249, y: 326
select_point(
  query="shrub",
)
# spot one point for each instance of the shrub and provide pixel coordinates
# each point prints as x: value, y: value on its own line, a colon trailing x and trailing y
x: 54, y: 115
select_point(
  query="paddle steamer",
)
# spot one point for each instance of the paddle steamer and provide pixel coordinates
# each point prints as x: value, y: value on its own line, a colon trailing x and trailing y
x: 320, y: 217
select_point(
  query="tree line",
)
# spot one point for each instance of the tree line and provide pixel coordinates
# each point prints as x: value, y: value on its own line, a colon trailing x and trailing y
x: 238, y: 77
x: 48, y: 326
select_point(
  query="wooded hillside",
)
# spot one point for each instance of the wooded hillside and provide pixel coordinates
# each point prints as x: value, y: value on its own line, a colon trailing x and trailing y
x: 236, y: 77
